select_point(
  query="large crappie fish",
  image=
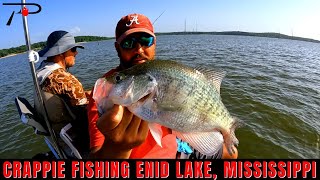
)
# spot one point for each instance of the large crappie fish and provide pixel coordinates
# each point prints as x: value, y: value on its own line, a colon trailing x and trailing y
x: 179, y: 97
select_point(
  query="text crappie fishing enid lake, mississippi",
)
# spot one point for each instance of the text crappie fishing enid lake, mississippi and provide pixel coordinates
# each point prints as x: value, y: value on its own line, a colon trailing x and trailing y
x: 107, y: 169
x: 161, y: 169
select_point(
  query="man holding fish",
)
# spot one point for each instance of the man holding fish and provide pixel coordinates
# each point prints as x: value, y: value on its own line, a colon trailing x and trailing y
x: 140, y: 115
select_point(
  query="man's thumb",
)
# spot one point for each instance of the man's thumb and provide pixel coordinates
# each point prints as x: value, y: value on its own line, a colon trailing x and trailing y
x: 110, y: 119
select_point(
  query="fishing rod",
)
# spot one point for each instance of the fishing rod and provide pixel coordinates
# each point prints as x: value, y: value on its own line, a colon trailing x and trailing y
x: 158, y: 17
x: 32, y: 60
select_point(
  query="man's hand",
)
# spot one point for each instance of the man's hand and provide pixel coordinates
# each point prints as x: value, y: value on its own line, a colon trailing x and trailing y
x: 122, y: 130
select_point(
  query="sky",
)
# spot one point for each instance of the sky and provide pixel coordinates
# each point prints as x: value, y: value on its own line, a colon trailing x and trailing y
x: 99, y: 17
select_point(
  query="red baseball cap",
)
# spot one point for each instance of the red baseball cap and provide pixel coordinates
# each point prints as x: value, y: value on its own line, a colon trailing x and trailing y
x: 133, y: 23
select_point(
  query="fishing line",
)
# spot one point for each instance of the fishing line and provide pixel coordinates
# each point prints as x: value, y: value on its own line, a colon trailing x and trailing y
x: 158, y: 17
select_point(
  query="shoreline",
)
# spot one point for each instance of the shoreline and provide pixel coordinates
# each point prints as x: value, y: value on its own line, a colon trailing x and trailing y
x: 11, y: 55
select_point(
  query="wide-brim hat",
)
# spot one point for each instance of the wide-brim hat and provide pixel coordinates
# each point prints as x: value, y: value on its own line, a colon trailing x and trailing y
x: 58, y: 42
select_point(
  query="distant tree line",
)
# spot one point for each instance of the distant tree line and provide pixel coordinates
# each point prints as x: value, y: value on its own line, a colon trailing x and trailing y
x: 91, y: 38
x: 20, y: 49
x: 40, y: 45
x: 240, y: 33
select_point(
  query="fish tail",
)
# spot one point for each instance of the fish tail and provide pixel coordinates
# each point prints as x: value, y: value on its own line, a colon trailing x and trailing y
x: 236, y: 124
x: 230, y: 137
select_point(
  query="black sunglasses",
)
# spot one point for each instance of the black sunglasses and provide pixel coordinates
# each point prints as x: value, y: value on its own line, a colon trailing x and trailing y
x: 131, y: 42
x: 74, y: 49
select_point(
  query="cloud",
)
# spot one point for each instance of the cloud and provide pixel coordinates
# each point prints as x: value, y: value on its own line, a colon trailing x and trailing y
x: 74, y: 30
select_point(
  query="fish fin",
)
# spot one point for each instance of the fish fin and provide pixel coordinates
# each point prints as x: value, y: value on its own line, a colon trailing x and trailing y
x: 214, y: 75
x: 207, y: 143
x: 156, y: 132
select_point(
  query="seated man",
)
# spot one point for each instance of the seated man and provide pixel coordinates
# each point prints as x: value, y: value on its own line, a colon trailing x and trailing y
x: 54, y: 78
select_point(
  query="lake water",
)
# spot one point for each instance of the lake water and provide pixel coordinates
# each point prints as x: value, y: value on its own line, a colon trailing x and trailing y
x: 272, y: 85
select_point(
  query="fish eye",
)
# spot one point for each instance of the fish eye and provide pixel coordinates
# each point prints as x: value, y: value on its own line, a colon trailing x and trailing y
x: 118, y: 77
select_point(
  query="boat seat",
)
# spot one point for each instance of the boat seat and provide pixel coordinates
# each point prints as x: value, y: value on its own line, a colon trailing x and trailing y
x: 69, y: 131
x: 69, y: 140
x: 59, y: 113
x: 27, y: 116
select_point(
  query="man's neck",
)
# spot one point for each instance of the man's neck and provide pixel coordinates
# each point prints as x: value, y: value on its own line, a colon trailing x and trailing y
x: 62, y: 64
x: 59, y: 60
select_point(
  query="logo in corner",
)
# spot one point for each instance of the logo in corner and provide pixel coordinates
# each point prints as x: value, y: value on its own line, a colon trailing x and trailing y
x: 24, y: 11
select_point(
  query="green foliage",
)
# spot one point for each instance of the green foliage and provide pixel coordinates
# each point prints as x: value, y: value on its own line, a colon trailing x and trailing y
x: 40, y: 45
x: 90, y: 38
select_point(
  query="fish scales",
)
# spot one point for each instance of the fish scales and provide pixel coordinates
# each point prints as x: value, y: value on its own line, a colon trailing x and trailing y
x: 180, y: 85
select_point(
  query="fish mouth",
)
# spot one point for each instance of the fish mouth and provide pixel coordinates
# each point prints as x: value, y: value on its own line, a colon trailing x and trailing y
x: 144, y: 98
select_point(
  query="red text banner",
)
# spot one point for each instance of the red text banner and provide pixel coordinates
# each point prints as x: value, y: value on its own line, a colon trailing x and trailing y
x: 160, y: 168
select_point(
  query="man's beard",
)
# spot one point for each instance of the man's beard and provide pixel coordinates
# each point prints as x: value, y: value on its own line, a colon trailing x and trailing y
x: 133, y: 61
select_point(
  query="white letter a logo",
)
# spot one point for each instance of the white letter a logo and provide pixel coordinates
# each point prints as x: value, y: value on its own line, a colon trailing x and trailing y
x: 134, y: 19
